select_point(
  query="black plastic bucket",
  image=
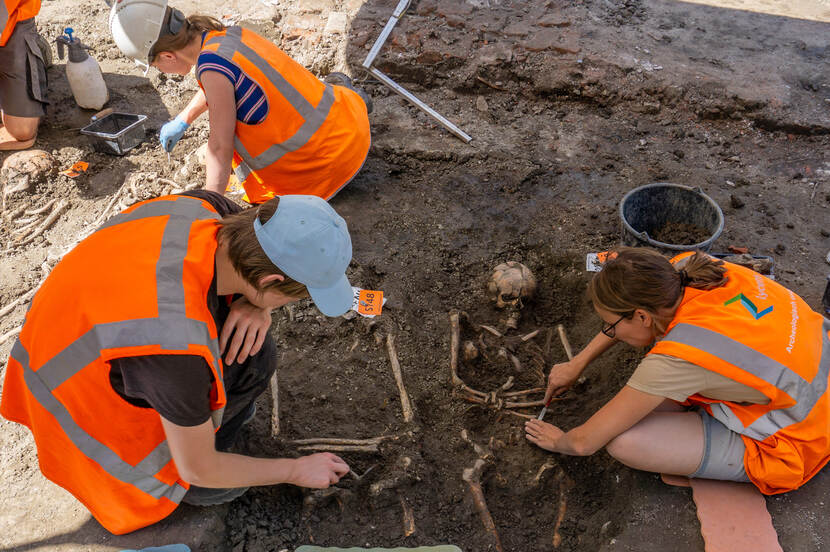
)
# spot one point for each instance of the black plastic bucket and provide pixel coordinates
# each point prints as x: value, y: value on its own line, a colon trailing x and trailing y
x: 647, y: 209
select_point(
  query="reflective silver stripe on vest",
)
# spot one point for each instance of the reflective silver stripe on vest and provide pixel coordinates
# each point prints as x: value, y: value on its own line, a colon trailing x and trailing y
x: 4, y: 16
x: 242, y: 171
x: 185, y: 206
x: 129, y: 333
x: 172, y: 330
x: 765, y: 368
x: 92, y: 448
x: 314, y: 117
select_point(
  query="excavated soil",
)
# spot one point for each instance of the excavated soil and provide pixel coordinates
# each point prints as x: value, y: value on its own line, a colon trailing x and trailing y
x: 681, y: 233
x: 570, y: 106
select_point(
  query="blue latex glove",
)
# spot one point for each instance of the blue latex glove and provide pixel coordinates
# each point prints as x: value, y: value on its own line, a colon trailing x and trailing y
x: 171, y: 133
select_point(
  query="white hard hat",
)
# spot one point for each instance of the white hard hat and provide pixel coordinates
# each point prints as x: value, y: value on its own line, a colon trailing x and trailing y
x: 136, y: 25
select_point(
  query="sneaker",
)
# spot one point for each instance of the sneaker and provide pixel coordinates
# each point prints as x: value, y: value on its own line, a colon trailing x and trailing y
x: 341, y: 79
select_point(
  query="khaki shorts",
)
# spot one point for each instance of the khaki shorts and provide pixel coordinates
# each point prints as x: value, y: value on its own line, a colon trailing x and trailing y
x: 723, y: 452
x: 23, y: 73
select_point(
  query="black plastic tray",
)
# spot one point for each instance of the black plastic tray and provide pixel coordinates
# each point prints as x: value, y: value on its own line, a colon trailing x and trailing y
x: 117, y: 133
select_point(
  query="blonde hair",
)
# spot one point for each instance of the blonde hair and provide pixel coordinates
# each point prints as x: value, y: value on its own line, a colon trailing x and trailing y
x: 246, y: 255
x: 641, y: 278
x: 193, y: 27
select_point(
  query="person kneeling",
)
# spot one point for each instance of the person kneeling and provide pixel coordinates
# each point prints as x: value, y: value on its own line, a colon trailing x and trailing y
x: 748, y: 354
x: 145, y: 348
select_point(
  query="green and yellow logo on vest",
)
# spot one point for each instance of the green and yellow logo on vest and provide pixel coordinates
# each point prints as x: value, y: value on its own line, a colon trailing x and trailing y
x: 749, y: 305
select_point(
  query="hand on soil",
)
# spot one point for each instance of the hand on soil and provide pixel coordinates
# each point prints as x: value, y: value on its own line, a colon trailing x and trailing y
x: 318, y: 471
x: 249, y: 325
x: 542, y: 434
x: 561, y: 377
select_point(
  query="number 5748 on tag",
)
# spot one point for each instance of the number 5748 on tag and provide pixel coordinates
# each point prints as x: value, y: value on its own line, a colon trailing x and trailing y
x: 370, y: 302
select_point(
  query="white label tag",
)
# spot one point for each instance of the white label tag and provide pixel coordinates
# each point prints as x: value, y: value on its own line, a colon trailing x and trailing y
x: 594, y: 261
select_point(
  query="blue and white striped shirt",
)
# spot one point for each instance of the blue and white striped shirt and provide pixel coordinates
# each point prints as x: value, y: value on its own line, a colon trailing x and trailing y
x: 251, y: 104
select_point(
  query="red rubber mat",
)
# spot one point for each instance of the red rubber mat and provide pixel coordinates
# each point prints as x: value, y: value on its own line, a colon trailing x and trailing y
x: 733, y: 516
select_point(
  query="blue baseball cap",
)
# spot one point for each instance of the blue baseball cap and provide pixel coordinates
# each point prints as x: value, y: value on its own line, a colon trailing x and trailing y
x: 310, y: 243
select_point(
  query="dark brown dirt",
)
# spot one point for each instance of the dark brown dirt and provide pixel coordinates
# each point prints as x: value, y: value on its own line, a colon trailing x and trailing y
x: 681, y: 233
x: 356, y: 397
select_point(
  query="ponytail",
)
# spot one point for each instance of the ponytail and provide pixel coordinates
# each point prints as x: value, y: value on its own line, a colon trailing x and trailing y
x: 193, y: 27
x: 204, y: 23
x: 704, y: 272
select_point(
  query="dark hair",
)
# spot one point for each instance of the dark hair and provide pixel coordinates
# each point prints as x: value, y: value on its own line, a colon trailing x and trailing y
x: 641, y: 278
x: 246, y: 255
x: 193, y: 26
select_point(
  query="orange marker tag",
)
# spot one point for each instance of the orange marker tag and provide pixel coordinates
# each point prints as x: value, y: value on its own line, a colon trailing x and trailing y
x: 369, y: 302
x: 594, y: 261
x: 76, y: 169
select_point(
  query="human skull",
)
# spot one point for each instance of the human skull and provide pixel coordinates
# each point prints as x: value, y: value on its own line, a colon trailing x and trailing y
x: 510, y: 284
x: 24, y: 169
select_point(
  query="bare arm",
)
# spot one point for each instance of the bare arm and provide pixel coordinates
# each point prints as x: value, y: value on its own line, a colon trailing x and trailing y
x: 219, y: 94
x: 564, y: 374
x: 199, y: 463
x: 196, y: 106
x: 628, y: 407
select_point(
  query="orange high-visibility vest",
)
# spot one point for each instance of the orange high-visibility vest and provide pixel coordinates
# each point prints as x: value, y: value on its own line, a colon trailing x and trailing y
x: 757, y: 332
x: 12, y: 11
x: 137, y: 286
x: 315, y: 136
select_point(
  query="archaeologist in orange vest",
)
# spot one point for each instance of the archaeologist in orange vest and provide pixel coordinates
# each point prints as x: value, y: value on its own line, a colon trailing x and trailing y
x: 22, y: 74
x: 279, y: 128
x: 144, y: 350
x: 733, y: 388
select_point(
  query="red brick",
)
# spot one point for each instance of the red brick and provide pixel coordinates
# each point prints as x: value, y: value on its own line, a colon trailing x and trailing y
x: 494, y: 54
x: 519, y: 28
x: 455, y: 21
x: 456, y: 8
x: 551, y: 39
x: 429, y: 58
x: 553, y: 20
x: 485, y: 22
x: 426, y: 7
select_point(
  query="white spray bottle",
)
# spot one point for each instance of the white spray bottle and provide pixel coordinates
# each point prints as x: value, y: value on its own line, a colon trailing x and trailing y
x: 83, y: 72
